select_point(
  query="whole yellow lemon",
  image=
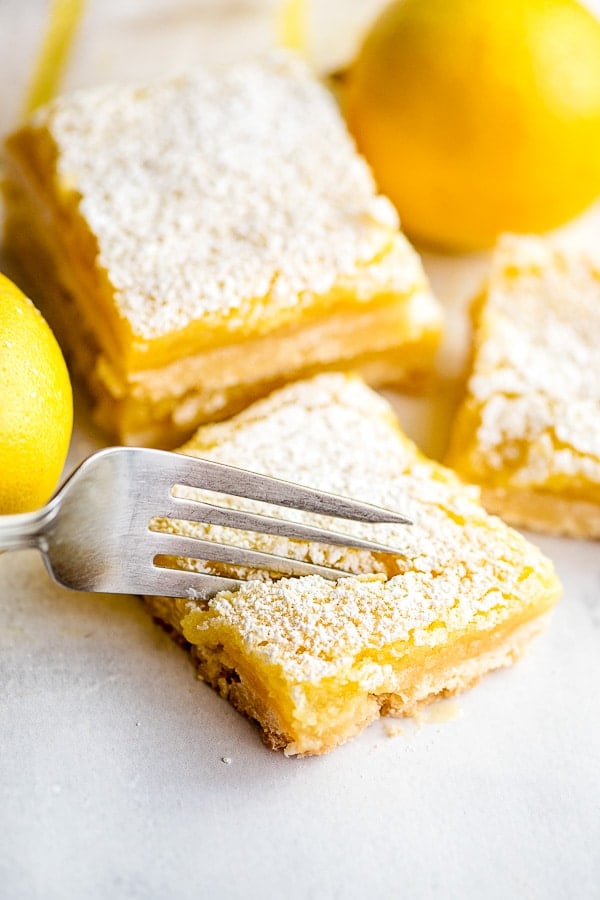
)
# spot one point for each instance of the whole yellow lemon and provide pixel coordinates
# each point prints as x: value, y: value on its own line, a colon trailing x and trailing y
x: 36, y: 404
x: 480, y: 117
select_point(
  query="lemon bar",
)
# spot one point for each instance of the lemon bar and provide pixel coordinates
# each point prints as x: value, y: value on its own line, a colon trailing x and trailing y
x: 314, y: 661
x: 528, y: 430
x: 198, y: 242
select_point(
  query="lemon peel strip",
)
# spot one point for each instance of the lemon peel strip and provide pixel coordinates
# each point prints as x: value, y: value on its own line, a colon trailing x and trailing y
x: 63, y: 20
x: 293, y: 26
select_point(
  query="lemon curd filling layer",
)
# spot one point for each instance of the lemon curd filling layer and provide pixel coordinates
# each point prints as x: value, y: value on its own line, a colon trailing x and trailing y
x: 528, y: 430
x: 186, y: 225
x: 314, y: 661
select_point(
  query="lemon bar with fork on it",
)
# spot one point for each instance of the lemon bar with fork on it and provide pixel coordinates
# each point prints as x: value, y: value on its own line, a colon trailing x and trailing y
x: 528, y: 429
x: 314, y: 661
x: 198, y: 242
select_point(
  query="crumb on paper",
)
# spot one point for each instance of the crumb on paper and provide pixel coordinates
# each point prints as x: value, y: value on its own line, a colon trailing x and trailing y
x: 227, y: 760
x: 441, y: 711
x: 393, y: 729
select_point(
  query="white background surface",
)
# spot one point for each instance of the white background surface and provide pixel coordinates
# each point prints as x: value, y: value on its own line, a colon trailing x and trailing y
x: 112, y: 780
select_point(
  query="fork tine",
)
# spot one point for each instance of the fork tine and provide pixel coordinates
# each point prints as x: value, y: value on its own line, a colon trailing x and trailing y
x: 209, y: 475
x: 166, y: 582
x: 167, y: 544
x: 209, y: 513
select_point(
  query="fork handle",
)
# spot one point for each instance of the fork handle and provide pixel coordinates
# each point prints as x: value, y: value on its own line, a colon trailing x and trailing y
x: 22, y: 530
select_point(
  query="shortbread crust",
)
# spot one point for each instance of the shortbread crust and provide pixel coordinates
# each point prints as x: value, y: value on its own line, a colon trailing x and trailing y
x: 314, y: 661
x: 528, y: 430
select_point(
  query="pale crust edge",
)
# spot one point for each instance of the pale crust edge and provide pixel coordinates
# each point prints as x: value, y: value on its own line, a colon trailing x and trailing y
x: 543, y: 511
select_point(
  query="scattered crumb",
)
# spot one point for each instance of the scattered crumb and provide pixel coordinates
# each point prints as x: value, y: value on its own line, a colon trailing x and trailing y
x: 393, y: 729
x: 227, y: 760
x: 441, y: 711
x: 407, y: 727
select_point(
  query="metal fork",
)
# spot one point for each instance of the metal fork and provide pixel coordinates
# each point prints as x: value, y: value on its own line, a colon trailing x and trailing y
x: 94, y: 534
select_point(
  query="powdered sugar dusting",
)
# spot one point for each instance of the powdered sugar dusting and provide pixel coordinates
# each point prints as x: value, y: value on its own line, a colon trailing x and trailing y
x: 219, y: 190
x: 456, y: 567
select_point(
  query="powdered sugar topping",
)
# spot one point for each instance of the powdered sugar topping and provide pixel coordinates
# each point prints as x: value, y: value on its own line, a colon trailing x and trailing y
x: 223, y: 192
x: 456, y: 567
x: 536, y: 377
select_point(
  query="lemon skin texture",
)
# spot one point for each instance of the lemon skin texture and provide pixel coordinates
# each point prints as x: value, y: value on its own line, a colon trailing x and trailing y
x: 36, y: 404
x: 480, y: 117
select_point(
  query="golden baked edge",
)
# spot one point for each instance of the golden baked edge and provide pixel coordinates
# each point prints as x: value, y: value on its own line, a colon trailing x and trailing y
x: 422, y: 687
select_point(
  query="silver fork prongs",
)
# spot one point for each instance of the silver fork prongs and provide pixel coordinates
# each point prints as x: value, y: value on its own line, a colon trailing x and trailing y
x: 104, y: 530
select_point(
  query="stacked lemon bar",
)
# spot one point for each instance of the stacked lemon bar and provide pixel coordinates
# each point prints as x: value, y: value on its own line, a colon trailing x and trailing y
x: 528, y: 430
x: 314, y: 661
x: 198, y: 242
